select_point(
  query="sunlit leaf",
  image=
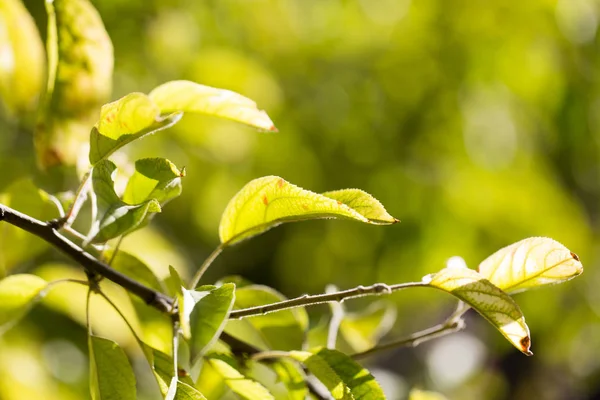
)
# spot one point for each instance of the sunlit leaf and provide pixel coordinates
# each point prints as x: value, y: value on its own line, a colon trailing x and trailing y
x: 162, y: 368
x: 182, y: 391
x: 269, y: 201
x: 244, y: 387
x: 365, y: 204
x: 488, y: 300
x: 192, y: 97
x: 115, y: 217
x: 208, y: 318
x: 80, y: 57
x: 23, y: 58
x: 343, y: 376
x: 362, y: 330
x: 292, y: 376
x: 284, y: 330
x: 125, y: 120
x: 154, y: 178
x: 530, y: 263
x: 17, y: 295
x: 111, y: 375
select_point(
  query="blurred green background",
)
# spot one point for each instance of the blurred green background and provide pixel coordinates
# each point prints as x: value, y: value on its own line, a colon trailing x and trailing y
x: 476, y: 123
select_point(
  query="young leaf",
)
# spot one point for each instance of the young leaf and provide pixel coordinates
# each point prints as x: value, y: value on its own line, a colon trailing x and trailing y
x: 192, y: 97
x: 343, y: 376
x: 284, y: 330
x: 80, y: 68
x: 530, y: 263
x: 363, y: 330
x: 22, y: 69
x: 292, y: 377
x: 208, y: 318
x: 244, y: 387
x: 488, y: 300
x: 111, y: 376
x: 17, y: 295
x: 269, y: 201
x: 365, y: 204
x: 125, y: 120
x: 154, y: 178
x: 115, y: 218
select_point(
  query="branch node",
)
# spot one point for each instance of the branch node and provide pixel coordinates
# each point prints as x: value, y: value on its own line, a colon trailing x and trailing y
x: 382, y: 288
x: 57, y: 223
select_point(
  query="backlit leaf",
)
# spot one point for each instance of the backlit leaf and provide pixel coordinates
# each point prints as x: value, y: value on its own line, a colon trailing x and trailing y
x: 344, y: 377
x: 366, y: 205
x: 269, y: 201
x: 162, y: 367
x: 154, y: 178
x: 488, y: 300
x: 133, y: 267
x: 208, y: 318
x: 17, y: 295
x: 125, y: 120
x: 362, y: 330
x: 115, y: 217
x: 530, y: 263
x: 192, y: 97
x: 111, y: 375
x: 292, y: 376
x: 244, y: 387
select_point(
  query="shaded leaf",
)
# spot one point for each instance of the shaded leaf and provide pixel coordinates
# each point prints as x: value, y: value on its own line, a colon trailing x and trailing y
x: 125, y: 120
x: 284, y: 330
x: 22, y: 68
x: 488, y: 300
x: 115, y: 217
x: 154, y: 178
x: 343, y: 376
x: 18, y: 293
x: 244, y: 387
x: 530, y: 263
x: 292, y: 377
x: 363, y: 330
x: 269, y: 201
x: 134, y: 268
x: 162, y: 368
x: 208, y: 318
x: 111, y: 375
x: 192, y: 97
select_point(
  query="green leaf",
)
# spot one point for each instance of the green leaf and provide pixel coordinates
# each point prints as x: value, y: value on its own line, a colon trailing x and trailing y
x: 18, y: 293
x: 530, y: 263
x: 154, y: 178
x: 343, y: 376
x: 363, y: 330
x: 162, y: 368
x: 192, y: 97
x: 115, y: 217
x: 269, y: 201
x: 365, y: 204
x: 16, y: 245
x: 208, y: 318
x: 244, y: 387
x: 125, y: 120
x: 284, y: 330
x: 80, y: 70
x: 488, y: 300
x: 111, y: 376
x: 134, y: 268
x: 184, y: 391
x: 22, y: 71
x: 292, y: 377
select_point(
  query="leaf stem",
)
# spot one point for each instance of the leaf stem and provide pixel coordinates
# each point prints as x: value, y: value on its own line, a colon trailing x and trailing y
x: 80, y: 196
x: 118, y: 310
x: 207, y: 263
x: 310, y: 300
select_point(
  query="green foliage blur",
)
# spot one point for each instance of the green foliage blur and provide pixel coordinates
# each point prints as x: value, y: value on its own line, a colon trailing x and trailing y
x: 476, y: 123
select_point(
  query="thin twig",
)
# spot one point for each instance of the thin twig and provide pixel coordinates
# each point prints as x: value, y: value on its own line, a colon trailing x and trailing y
x: 212, y: 257
x: 49, y: 233
x: 118, y: 310
x: 80, y: 197
x: 310, y: 300
x: 337, y: 315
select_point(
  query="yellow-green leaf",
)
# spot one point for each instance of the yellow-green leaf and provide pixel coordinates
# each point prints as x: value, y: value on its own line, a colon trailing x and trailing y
x: 192, y: 97
x: 366, y: 205
x: 244, y: 387
x: 488, y: 300
x: 162, y: 368
x: 292, y: 376
x: 418, y: 394
x: 344, y: 377
x: 23, y: 60
x: 17, y: 295
x: 125, y: 120
x: 530, y: 263
x: 269, y: 201
x: 154, y: 178
x: 362, y: 330
x: 111, y: 375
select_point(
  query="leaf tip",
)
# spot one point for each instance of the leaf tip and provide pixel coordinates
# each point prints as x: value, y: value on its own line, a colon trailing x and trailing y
x: 395, y: 221
x: 575, y: 256
x: 525, y: 344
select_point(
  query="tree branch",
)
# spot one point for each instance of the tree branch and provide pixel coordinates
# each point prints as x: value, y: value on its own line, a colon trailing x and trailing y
x: 48, y: 232
x: 309, y: 300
